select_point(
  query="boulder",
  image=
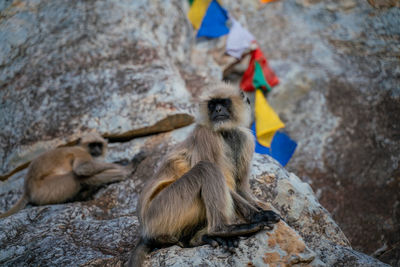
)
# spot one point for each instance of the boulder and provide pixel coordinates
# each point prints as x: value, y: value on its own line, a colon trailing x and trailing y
x: 101, y: 229
x: 69, y: 67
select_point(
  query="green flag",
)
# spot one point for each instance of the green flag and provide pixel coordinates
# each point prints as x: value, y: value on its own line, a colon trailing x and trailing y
x: 259, y: 79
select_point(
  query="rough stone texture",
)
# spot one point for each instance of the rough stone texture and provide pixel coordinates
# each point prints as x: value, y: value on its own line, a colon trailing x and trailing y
x: 295, y: 200
x: 281, y: 245
x: 101, y: 229
x: 66, y: 66
x: 338, y: 63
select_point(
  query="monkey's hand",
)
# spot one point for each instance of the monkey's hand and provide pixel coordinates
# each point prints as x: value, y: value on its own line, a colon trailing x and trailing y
x: 228, y: 236
x: 267, y: 216
x: 227, y: 243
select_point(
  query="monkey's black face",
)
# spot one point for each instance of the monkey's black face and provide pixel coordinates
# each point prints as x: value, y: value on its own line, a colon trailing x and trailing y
x: 219, y: 109
x: 96, y: 149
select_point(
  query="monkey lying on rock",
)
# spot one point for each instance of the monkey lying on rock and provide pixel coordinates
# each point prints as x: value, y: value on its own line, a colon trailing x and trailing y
x: 202, y: 187
x: 59, y: 174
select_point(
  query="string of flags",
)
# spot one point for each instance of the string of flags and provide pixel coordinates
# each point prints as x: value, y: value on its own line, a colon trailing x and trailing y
x: 210, y: 19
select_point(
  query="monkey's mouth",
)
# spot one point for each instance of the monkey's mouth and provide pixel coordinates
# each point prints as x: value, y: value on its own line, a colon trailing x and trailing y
x: 96, y: 153
x: 220, y: 117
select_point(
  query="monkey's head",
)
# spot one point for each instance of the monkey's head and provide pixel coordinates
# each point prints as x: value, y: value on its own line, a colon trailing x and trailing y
x: 224, y: 107
x: 93, y: 143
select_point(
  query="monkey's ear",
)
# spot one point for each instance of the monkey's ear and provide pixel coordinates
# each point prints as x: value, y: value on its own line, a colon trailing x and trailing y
x: 244, y: 97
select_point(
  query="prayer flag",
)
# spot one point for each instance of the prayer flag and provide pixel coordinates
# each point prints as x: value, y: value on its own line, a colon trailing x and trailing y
x: 267, y: 121
x: 259, y: 79
x: 197, y: 11
x: 239, y: 39
x: 248, y: 77
x: 282, y: 147
x: 214, y: 21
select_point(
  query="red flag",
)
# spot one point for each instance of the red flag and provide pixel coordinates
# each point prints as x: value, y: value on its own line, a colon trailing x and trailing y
x: 247, y: 80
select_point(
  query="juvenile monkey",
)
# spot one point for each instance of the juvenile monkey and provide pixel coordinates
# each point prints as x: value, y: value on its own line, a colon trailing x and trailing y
x: 201, y: 190
x: 58, y: 175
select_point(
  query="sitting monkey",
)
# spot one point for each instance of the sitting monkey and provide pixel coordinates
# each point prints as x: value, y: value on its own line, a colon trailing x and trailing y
x: 202, y: 187
x: 59, y: 174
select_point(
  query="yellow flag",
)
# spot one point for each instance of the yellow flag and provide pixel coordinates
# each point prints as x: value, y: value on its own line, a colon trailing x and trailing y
x: 267, y: 121
x: 197, y: 11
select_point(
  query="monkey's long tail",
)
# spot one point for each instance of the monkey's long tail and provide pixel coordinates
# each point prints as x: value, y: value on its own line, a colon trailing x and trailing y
x: 139, y: 254
x: 17, y: 207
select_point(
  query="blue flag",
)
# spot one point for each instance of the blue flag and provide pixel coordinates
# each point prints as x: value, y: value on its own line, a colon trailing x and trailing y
x: 282, y: 147
x: 214, y: 21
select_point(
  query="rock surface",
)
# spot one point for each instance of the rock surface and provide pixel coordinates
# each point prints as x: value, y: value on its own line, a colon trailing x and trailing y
x: 280, y: 246
x: 67, y: 66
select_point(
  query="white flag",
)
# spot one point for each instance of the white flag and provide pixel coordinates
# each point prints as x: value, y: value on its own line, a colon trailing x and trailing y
x: 239, y: 39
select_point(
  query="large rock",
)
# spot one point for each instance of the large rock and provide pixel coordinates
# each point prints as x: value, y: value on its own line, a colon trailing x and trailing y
x: 102, y: 229
x: 340, y: 99
x: 69, y: 66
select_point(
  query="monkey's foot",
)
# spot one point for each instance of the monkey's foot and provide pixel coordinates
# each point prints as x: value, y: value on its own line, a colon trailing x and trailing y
x: 236, y: 230
x: 267, y: 216
x: 227, y: 243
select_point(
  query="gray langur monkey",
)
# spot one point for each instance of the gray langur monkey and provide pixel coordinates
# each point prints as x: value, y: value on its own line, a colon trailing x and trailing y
x: 201, y: 193
x: 59, y: 174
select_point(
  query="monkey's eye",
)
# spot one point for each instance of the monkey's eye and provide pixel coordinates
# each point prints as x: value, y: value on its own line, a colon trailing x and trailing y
x: 226, y: 103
